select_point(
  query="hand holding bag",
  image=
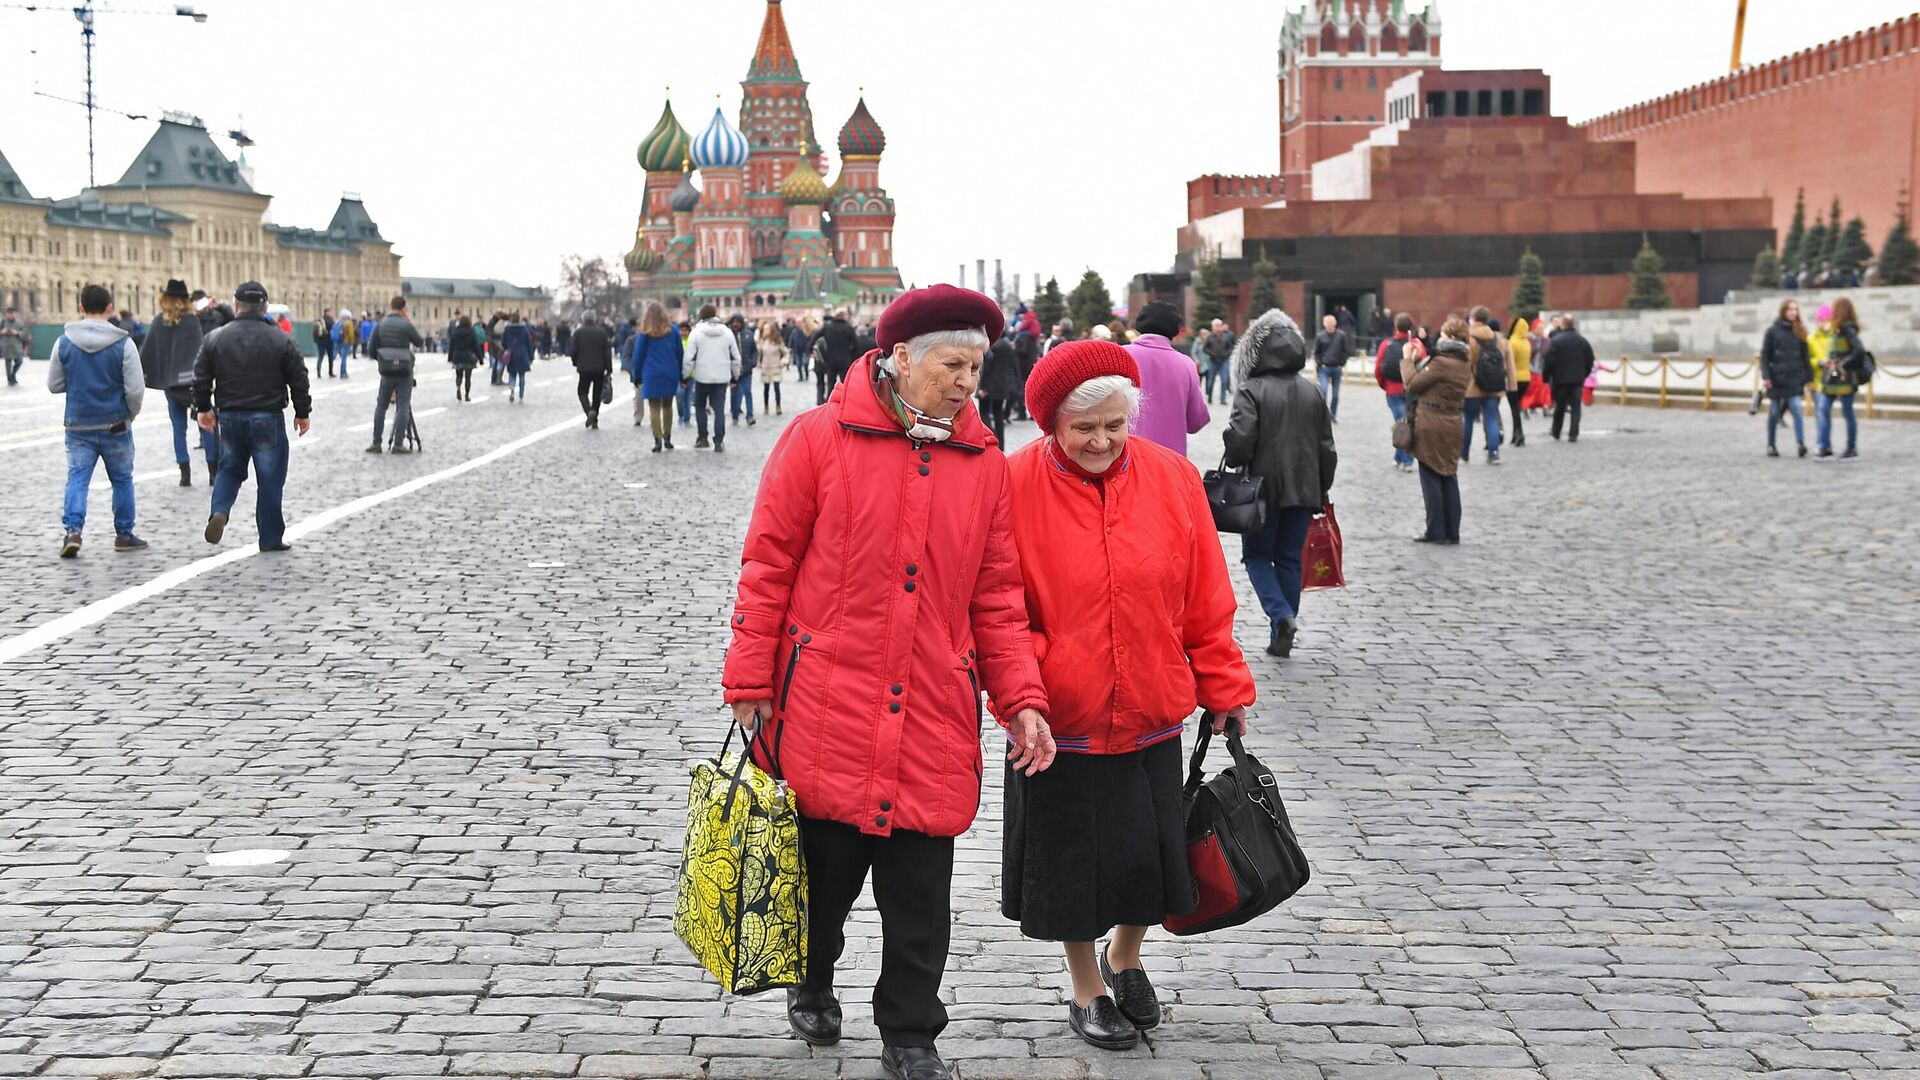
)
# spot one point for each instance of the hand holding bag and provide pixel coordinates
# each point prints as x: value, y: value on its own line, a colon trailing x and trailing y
x: 742, y: 898
x: 1322, y: 556
x: 1235, y: 499
x: 1240, y: 845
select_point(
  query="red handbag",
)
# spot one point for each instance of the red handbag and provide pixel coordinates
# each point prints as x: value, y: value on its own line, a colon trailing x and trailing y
x: 1320, y: 557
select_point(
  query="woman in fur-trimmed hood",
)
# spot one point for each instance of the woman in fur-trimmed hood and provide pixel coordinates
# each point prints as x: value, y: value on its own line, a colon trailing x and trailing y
x: 1281, y: 431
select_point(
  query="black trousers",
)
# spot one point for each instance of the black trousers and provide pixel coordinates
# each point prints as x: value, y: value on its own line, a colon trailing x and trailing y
x: 594, y: 390
x: 913, y: 888
x: 1513, y: 409
x: 1442, y: 496
x: 1566, y: 396
x: 995, y: 414
x: 462, y: 380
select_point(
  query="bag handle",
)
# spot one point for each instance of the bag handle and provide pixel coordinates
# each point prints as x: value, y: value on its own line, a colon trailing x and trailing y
x: 1259, y: 780
x: 746, y: 758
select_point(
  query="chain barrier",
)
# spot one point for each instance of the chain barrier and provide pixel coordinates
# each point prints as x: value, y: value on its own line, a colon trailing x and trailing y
x: 1667, y: 368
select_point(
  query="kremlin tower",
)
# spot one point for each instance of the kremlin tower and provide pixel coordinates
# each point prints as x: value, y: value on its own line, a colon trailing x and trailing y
x: 763, y: 234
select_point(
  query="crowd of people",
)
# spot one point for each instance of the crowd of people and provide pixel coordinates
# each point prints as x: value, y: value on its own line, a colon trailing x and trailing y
x: 1830, y: 359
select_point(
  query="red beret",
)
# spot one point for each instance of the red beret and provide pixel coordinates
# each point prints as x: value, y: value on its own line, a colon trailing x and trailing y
x: 937, y: 307
x: 1065, y: 367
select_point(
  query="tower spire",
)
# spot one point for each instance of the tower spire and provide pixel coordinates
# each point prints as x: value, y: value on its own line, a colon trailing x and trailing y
x: 773, y: 58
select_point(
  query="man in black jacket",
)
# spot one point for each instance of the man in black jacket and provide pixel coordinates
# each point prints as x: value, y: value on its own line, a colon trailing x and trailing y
x: 392, y: 344
x: 251, y: 370
x: 838, y: 351
x: 592, y: 352
x: 1569, y: 361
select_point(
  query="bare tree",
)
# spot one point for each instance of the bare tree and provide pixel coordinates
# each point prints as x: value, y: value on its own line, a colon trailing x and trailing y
x: 592, y: 286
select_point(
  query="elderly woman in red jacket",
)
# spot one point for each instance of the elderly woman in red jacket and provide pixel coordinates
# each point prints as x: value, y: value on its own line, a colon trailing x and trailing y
x: 1131, y: 611
x: 879, y: 596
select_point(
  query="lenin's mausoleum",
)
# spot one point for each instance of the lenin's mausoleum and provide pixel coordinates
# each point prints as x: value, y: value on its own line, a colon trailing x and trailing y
x: 1406, y: 185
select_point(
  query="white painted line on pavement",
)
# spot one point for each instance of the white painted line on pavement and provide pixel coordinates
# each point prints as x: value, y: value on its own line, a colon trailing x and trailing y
x: 101, y: 483
x: 99, y: 610
x: 35, y: 442
x: 368, y: 426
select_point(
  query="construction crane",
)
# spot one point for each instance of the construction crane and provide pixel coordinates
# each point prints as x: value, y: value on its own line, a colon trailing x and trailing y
x: 1739, y: 31
x: 84, y: 13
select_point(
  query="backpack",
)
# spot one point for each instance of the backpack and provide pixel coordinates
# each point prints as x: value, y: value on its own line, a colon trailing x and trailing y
x: 1490, y: 368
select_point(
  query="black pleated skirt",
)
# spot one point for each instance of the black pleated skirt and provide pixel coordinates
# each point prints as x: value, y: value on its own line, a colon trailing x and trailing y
x: 1096, y: 841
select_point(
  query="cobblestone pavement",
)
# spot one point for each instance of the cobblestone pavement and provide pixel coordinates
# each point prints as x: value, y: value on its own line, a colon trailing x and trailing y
x: 1624, y: 786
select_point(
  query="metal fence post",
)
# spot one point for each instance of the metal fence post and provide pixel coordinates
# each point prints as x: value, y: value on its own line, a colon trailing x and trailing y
x: 1706, y: 398
x: 1663, y: 382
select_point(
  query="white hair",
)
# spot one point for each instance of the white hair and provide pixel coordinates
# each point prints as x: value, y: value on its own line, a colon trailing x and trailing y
x: 974, y: 337
x: 1095, y: 392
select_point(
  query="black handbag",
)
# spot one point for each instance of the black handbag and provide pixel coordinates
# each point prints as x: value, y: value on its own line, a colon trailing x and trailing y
x: 1234, y: 498
x: 394, y: 362
x: 1241, y: 850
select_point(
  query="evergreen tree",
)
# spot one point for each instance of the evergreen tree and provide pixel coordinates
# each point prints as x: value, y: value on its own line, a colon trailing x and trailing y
x: 1049, y: 305
x: 1899, y: 257
x: 1766, y: 270
x: 1649, y: 284
x: 1854, y: 251
x: 1207, y: 305
x: 1831, y: 253
x: 1089, y: 304
x: 1529, y: 288
x: 1813, y: 250
x: 1264, y: 297
x: 1790, y: 252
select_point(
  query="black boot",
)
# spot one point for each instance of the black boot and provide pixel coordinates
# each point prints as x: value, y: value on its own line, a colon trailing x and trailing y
x: 186, y: 475
x: 815, y: 1016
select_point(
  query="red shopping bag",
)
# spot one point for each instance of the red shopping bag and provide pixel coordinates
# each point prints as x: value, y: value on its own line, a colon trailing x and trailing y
x: 1320, y: 566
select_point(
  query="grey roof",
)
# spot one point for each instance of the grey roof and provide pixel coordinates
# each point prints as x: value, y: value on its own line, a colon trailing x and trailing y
x: 289, y: 236
x: 351, y: 220
x: 12, y: 188
x: 471, y: 289
x: 87, y: 211
x: 183, y: 155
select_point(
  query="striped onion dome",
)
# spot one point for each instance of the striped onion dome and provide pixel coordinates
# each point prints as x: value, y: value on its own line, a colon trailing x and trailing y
x: 803, y: 186
x: 642, y: 260
x: 665, y: 145
x: 862, y: 134
x: 685, y: 197
x: 720, y: 146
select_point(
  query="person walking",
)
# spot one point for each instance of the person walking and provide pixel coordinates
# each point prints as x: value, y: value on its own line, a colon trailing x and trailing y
x: 591, y: 349
x: 653, y: 364
x: 740, y: 394
x: 879, y: 624
x: 97, y: 367
x: 683, y: 397
x: 1219, y: 353
x: 251, y: 371
x: 1520, y: 351
x: 1172, y: 404
x: 1282, y: 432
x: 1386, y: 372
x: 772, y: 347
x: 1786, y: 368
x: 391, y: 344
x: 323, y: 342
x: 366, y: 328
x: 13, y: 344
x: 1332, y: 346
x: 999, y: 381
x: 837, y: 342
x: 1837, y: 379
x: 1436, y: 389
x: 172, y: 345
x: 463, y: 352
x: 1493, y: 379
x: 349, y: 338
x: 516, y: 345
x: 1131, y: 609
x: 799, y: 337
x: 340, y: 338
x: 713, y: 363
x: 1569, y: 363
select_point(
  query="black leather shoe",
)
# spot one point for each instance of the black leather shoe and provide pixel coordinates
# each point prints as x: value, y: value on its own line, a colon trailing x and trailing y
x: 815, y: 1016
x: 913, y: 1063
x: 1102, y: 1024
x: 1133, y: 992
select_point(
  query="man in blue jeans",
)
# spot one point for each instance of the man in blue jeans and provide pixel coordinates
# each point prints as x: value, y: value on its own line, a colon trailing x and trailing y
x: 97, y: 367
x: 1331, y: 348
x: 713, y: 363
x: 251, y: 370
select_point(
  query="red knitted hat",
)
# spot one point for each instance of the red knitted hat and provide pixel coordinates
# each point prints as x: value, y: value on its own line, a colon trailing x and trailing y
x: 1065, y: 367
x: 937, y: 307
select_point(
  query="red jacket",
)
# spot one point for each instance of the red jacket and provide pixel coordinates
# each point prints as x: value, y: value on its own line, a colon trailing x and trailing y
x: 1128, y: 598
x: 1389, y: 380
x: 879, y: 594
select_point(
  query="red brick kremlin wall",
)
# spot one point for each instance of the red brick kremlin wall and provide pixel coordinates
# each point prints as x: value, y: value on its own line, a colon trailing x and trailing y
x: 1841, y: 119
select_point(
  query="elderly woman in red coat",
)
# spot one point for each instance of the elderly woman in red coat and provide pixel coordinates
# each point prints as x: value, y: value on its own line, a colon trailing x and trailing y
x: 1131, y: 611
x: 879, y: 596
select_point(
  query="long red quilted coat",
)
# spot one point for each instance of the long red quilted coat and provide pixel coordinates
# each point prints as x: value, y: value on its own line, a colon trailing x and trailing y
x: 1127, y: 590
x: 879, y: 595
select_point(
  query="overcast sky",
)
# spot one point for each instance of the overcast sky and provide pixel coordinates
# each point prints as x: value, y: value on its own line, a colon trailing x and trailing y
x: 492, y: 138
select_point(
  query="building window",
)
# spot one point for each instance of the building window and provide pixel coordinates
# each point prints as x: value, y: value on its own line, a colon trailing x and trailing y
x: 1338, y: 82
x: 1484, y: 99
x: 1373, y: 81
x: 1532, y: 103
x: 1436, y: 103
x: 1506, y: 103
x: 1462, y: 103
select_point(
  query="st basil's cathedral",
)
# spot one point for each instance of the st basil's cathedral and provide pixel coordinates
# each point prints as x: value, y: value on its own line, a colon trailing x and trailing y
x: 762, y: 232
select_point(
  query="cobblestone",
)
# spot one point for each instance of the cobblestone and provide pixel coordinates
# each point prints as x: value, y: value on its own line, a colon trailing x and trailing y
x: 1623, y: 788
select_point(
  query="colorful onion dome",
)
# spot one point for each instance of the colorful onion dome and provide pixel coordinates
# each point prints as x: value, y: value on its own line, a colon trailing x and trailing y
x: 803, y: 186
x: 642, y: 260
x: 686, y: 196
x: 665, y: 145
x: 720, y: 146
x: 862, y: 134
